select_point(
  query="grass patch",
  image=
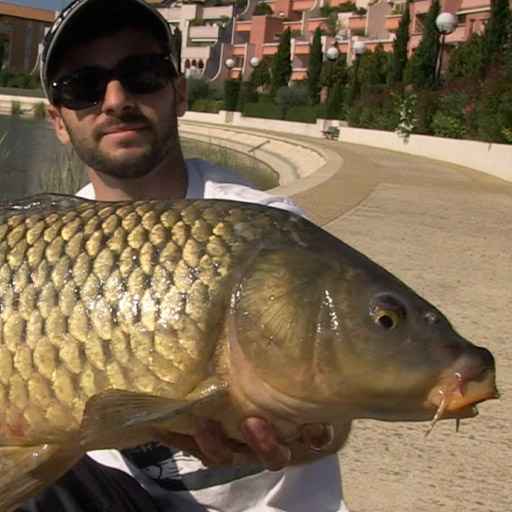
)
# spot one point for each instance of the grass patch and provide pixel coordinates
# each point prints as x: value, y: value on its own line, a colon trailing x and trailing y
x: 256, y: 172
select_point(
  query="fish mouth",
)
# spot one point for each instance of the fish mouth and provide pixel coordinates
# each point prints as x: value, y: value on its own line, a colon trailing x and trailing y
x: 460, y: 391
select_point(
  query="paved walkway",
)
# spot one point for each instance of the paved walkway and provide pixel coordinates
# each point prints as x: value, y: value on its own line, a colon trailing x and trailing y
x: 447, y: 232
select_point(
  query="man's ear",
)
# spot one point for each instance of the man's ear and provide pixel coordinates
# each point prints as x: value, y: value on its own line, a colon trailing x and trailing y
x: 55, y: 117
x: 180, y: 86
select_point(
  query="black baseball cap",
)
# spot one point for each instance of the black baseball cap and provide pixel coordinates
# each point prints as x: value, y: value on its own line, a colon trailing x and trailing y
x: 79, y: 12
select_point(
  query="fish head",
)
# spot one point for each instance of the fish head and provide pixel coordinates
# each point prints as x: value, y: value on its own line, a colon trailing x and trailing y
x: 340, y: 335
x: 399, y: 357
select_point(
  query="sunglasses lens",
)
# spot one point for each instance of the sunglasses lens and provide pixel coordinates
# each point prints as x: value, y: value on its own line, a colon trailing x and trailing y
x: 140, y: 74
x: 145, y: 75
x: 83, y: 88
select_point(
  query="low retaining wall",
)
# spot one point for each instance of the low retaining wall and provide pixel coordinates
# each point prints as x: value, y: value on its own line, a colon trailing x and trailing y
x: 493, y: 159
x: 27, y: 104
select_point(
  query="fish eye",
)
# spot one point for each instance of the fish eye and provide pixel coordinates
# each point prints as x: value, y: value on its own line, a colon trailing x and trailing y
x: 387, y: 319
x: 387, y: 312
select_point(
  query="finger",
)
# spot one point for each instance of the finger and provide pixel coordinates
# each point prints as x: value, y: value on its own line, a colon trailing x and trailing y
x: 262, y: 438
x: 178, y: 441
x: 213, y: 443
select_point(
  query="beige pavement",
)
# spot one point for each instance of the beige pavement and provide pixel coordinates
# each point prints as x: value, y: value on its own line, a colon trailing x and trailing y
x: 447, y: 232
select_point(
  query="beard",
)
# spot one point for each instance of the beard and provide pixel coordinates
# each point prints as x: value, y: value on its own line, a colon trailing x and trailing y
x: 155, y: 150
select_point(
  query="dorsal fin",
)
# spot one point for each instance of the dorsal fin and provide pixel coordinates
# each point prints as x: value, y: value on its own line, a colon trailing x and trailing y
x: 39, y: 203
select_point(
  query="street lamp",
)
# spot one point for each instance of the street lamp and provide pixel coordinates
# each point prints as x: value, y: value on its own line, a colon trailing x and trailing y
x: 254, y: 62
x: 446, y: 23
x: 332, y: 53
x: 230, y: 63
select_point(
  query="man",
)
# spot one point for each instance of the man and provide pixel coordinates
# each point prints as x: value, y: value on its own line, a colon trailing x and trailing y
x: 111, y: 75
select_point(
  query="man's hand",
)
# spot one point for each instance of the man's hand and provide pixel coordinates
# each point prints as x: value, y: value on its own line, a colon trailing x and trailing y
x: 213, y: 447
x: 261, y: 443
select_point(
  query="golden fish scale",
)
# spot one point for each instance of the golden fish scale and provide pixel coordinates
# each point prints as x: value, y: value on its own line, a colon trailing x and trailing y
x: 112, y: 296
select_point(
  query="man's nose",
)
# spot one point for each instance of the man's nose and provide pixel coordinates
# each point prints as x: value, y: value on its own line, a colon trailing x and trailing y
x: 116, y: 98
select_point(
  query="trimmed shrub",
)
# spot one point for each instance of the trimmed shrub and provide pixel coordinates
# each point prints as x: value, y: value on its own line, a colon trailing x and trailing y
x: 16, y: 109
x: 494, y: 112
x: 209, y: 106
x: 40, y: 110
x: 378, y: 111
x: 302, y: 114
x: 262, y: 109
x: 445, y: 125
x: 288, y: 97
x: 231, y: 92
x: 426, y: 106
x: 334, y: 104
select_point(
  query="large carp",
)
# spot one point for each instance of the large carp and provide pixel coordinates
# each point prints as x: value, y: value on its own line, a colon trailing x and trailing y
x: 119, y: 320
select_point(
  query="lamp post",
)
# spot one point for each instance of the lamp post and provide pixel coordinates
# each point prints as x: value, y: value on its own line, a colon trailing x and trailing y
x: 254, y: 62
x: 446, y: 23
x: 332, y: 53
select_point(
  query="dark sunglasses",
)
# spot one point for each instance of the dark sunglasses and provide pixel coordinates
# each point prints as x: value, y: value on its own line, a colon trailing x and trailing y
x: 138, y: 74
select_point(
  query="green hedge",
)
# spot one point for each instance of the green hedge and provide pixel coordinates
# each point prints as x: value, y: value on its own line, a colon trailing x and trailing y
x: 298, y: 114
x: 302, y: 114
x: 264, y: 110
x: 209, y: 106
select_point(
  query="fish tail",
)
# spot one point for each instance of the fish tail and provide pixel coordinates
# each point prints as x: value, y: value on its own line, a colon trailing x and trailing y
x: 27, y: 470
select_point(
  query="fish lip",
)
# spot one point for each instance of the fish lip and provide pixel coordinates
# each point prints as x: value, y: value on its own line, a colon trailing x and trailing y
x: 461, y: 390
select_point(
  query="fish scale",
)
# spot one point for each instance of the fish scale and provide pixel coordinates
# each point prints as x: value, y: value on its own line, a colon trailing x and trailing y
x: 58, y: 271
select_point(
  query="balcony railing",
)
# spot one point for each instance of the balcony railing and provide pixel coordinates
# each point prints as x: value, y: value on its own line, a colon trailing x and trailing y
x: 468, y: 5
x: 243, y: 26
x: 197, y: 52
x: 210, y: 32
x: 392, y: 22
x: 357, y: 24
x: 421, y: 6
x: 302, y: 5
x: 214, y: 13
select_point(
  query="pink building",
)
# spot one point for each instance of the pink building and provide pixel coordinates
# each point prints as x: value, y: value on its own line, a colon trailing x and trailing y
x: 258, y: 36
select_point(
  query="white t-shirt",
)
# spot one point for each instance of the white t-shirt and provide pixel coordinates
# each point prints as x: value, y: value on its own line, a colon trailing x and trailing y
x: 180, y: 482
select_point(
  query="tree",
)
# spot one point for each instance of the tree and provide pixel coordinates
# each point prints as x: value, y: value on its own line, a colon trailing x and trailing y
x: 421, y: 68
x: 495, y: 36
x: 281, y: 64
x: 231, y: 93
x: 335, y: 100
x: 315, y: 67
x: 262, y: 9
x: 400, y: 47
x: 373, y: 69
x: 466, y: 60
x: 260, y: 76
x: 508, y: 51
x: 334, y: 72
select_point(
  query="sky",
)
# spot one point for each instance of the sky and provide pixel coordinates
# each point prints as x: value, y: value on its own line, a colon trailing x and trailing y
x: 43, y: 4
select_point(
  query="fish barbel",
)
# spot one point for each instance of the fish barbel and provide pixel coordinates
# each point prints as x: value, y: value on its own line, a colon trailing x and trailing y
x: 122, y: 320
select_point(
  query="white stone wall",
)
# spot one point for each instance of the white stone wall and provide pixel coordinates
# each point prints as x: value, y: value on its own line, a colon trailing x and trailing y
x: 493, y: 159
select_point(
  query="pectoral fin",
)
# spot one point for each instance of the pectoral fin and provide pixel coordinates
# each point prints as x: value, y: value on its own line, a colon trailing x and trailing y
x: 125, y: 413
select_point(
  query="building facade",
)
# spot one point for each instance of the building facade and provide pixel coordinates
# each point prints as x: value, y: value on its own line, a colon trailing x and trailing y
x: 21, y: 31
x: 246, y: 37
